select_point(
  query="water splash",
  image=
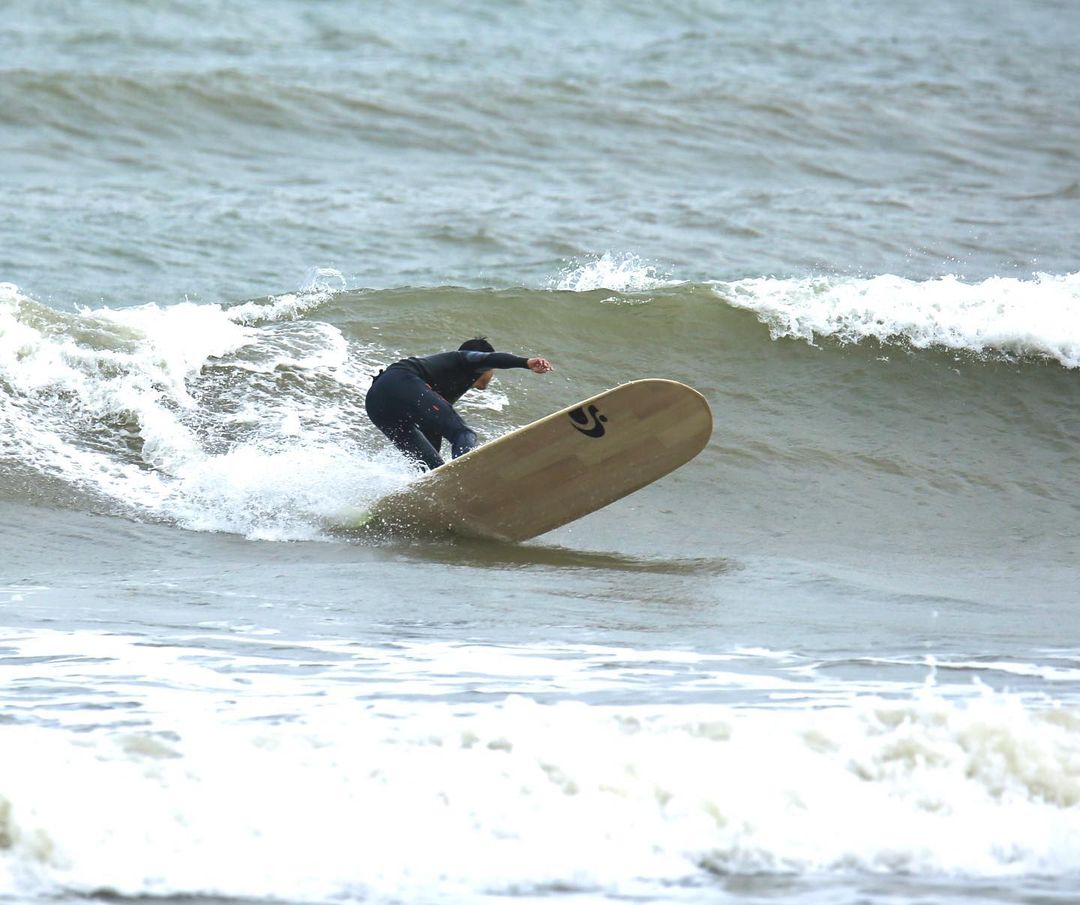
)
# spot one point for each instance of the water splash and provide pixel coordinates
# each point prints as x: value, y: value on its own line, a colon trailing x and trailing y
x: 620, y: 273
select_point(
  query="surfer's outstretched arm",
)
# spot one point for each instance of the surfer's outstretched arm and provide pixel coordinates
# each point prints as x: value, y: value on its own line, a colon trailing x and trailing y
x: 502, y: 360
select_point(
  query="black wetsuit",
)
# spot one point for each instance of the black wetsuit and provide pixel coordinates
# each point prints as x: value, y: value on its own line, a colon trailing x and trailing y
x: 412, y: 401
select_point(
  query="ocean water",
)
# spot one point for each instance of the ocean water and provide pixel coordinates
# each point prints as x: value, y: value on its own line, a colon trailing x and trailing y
x: 834, y: 659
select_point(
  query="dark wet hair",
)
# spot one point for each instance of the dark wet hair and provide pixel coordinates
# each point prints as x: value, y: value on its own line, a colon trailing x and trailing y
x: 478, y: 344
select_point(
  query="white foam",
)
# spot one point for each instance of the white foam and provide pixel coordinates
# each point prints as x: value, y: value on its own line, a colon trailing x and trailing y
x: 619, y: 273
x: 222, y: 758
x: 1004, y: 315
x: 291, y: 458
x: 273, y: 787
x: 174, y: 342
x: 320, y: 285
x: 282, y: 494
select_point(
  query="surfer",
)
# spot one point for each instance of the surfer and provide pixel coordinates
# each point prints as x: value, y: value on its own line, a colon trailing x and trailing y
x: 412, y: 401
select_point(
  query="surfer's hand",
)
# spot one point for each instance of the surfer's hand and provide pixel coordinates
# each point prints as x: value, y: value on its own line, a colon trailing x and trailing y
x: 540, y: 365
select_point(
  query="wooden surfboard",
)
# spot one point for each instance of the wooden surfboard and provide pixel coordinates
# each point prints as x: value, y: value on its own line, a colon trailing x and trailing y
x: 554, y: 470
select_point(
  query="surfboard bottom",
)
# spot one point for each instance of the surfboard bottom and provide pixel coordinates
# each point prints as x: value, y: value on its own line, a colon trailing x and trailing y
x: 553, y: 471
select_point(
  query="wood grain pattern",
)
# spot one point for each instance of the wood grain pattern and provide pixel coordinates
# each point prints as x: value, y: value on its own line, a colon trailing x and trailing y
x: 549, y: 472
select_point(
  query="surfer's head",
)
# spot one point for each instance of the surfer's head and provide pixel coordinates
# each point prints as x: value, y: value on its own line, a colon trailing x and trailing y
x: 478, y: 344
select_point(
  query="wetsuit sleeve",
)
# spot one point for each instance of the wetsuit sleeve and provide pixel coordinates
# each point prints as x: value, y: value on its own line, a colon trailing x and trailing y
x: 500, y: 360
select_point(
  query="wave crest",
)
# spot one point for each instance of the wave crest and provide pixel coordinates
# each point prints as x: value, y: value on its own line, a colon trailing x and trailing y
x: 1009, y: 316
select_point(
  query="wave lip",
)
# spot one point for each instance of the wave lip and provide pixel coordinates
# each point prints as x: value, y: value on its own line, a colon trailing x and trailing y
x: 1001, y: 316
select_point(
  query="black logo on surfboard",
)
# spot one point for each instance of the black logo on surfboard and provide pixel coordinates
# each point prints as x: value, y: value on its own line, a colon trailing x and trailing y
x: 589, y: 421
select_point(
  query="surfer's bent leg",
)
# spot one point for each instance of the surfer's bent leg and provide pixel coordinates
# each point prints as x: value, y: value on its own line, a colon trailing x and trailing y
x: 392, y: 406
x: 414, y: 444
x: 437, y: 417
x: 412, y: 415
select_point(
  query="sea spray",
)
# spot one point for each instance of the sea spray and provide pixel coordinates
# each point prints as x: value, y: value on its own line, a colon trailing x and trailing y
x: 621, y: 273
